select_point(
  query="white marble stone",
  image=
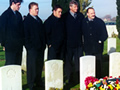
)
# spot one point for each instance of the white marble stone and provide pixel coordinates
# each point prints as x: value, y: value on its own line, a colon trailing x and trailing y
x: 111, y: 46
x: 53, y: 74
x: 10, y: 77
x: 114, y: 64
x: 24, y: 59
x: 111, y: 29
x: 45, y: 53
x: 87, y: 68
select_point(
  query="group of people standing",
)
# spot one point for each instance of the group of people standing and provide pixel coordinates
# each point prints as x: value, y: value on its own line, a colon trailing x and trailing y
x: 66, y: 36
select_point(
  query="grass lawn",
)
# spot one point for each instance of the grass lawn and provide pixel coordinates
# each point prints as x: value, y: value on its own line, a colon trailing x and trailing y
x: 67, y: 87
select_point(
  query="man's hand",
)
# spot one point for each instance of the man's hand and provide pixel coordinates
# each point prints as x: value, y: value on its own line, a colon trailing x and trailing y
x: 49, y: 46
x: 3, y: 48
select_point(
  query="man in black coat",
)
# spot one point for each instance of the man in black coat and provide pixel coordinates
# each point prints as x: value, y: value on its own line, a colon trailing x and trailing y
x: 95, y: 33
x: 73, y: 25
x: 54, y: 28
x: 35, y: 46
x: 12, y: 33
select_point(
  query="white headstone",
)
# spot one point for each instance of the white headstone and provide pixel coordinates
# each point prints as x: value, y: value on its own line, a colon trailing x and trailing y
x: 111, y: 29
x: 54, y: 74
x: 87, y: 68
x: 111, y: 47
x: 10, y: 77
x: 46, y: 53
x: 114, y: 64
x: 24, y: 59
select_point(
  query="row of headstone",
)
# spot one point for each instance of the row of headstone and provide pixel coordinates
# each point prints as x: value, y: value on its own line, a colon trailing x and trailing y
x: 87, y: 67
x: 111, y: 47
x: 10, y: 76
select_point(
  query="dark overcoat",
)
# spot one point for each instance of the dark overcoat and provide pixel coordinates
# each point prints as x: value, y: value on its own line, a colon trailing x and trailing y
x: 73, y: 29
x: 34, y: 33
x: 35, y: 45
x: 95, y: 34
x: 11, y: 31
x: 54, y: 28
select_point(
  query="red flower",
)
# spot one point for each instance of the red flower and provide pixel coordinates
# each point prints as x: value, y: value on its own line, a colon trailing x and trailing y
x: 110, y: 77
x: 117, y: 81
x: 90, y: 79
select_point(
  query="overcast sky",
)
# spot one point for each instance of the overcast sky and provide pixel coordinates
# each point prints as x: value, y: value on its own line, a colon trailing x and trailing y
x: 102, y: 7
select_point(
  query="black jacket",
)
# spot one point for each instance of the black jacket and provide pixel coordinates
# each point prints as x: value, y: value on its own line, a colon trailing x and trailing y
x: 11, y: 30
x: 54, y: 28
x: 34, y: 33
x: 93, y: 32
x: 73, y: 29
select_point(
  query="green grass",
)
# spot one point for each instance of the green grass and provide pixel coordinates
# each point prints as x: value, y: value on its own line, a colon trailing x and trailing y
x: 68, y: 87
x: 2, y: 54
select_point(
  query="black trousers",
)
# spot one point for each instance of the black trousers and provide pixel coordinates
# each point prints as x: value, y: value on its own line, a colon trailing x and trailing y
x: 35, y: 62
x: 55, y: 54
x: 13, y: 57
x: 99, y: 63
x: 72, y: 61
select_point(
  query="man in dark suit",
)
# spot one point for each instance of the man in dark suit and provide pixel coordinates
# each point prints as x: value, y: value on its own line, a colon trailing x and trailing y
x: 95, y: 33
x: 35, y: 46
x: 12, y: 33
x: 54, y: 28
x: 73, y: 22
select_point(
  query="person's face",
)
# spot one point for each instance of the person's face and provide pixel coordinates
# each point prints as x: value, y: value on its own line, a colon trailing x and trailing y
x: 57, y: 13
x: 74, y: 8
x: 91, y: 14
x: 16, y: 6
x: 34, y: 10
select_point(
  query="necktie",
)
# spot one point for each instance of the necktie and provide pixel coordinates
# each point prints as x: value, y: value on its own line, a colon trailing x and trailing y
x: 75, y: 15
x: 37, y: 19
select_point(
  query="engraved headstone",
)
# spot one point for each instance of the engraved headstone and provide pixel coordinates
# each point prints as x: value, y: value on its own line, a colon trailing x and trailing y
x: 10, y: 77
x: 87, y: 68
x: 114, y: 64
x: 111, y: 47
x: 53, y: 74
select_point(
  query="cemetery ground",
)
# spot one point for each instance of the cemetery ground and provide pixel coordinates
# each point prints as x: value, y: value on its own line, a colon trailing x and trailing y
x: 73, y: 86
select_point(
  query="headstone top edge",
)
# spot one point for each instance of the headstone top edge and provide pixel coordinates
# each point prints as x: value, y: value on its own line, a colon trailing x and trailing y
x: 54, y: 60
x: 90, y: 56
x: 114, y: 53
x: 10, y: 66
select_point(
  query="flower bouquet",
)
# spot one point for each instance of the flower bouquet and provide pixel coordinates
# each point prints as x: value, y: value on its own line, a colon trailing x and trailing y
x: 106, y: 83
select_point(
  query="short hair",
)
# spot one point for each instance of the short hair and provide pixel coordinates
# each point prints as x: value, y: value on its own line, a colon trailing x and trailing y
x: 56, y: 7
x: 15, y: 1
x: 32, y: 4
x: 73, y: 2
x: 89, y: 8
